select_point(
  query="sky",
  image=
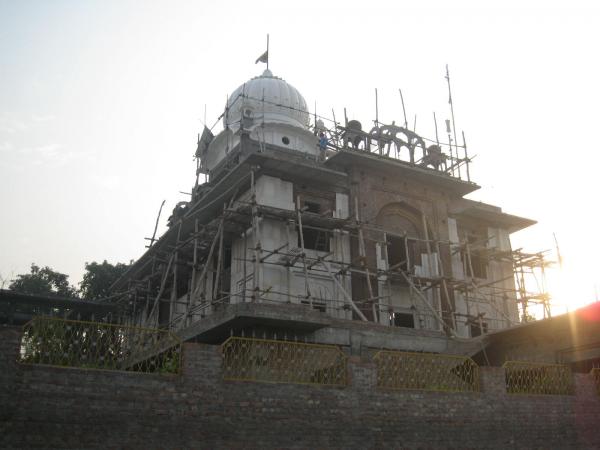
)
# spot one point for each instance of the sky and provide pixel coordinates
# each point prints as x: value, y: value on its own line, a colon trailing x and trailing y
x: 101, y: 103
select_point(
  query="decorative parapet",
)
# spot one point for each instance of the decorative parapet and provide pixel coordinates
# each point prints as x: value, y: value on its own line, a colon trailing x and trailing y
x: 271, y: 361
x: 524, y: 377
x: 426, y: 371
x: 97, y: 345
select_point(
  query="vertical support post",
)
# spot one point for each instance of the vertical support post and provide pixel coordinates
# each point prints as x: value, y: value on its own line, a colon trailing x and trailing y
x: 135, y: 301
x: 435, y: 292
x: 255, y: 239
x: 406, y: 252
x: 376, y: 109
x: 173, y: 296
x: 387, y: 269
x: 219, y: 259
x: 420, y: 295
x: 288, y: 266
x: 453, y: 121
x: 301, y: 234
x: 546, y: 302
x: 194, y: 271
x: 161, y: 289
x: 467, y: 160
x: 467, y: 300
x: 480, y: 320
x: 403, y: 109
x: 342, y: 290
x: 335, y: 128
x: 363, y: 261
x: 204, y: 274
x: 523, y: 292
x: 145, y: 313
x: 244, y: 269
x: 452, y: 159
x: 451, y: 309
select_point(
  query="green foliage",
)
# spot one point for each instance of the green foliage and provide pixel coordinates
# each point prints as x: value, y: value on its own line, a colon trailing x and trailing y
x: 98, y: 345
x: 43, y: 281
x: 98, y: 279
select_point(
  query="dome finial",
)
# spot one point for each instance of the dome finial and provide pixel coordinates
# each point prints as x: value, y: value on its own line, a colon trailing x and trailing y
x: 267, y: 73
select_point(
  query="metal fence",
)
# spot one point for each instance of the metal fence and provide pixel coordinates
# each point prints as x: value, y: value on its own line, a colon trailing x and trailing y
x: 595, y: 373
x: 271, y: 361
x: 538, y: 378
x: 97, y: 345
x: 426, y: 371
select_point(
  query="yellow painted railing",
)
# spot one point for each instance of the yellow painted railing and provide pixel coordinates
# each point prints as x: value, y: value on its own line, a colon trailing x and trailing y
x: 271, y: 361
x: 96, y: 345
x: 524, y: 377
x: 595, y: 373
x: 426, y: 371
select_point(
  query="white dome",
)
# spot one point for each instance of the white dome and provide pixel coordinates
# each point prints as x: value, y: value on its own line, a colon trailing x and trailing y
x: 282, y: 103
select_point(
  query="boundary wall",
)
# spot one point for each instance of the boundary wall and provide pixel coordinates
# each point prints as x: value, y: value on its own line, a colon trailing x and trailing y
x: 49, y: 407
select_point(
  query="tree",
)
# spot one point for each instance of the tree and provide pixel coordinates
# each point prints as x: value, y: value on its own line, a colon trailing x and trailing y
x: 43, y: 281
x: 98, y: 279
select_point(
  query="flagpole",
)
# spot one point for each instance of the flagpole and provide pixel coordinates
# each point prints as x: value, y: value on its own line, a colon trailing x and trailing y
x: 267, y: 51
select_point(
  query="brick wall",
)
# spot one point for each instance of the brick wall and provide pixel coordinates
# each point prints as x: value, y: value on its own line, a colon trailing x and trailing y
x: 72, y: 408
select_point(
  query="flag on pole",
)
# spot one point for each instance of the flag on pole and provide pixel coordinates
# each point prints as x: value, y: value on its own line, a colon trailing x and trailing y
x: 264, y: 58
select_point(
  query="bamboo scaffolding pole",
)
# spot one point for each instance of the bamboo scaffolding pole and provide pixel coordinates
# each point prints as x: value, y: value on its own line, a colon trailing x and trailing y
x: 162, y: 287
x: 195, y: 245
x: 255, y: 238
x: 303, y: 253
x: 271, y: 252
x: 219, y: 264
x: 194, y: 270
x: 363, y: 259
x: 245, y: 268
x: 344, y: 292
x: 207, y: 263
x: 387, y: 267
x: 173, y: 296
x: 476, y: 287
x: 451, y: 308
x: 435, y: 294
x: 343, y: 304
x: 420, y: 295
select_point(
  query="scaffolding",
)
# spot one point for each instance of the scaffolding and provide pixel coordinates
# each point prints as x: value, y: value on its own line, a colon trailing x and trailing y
x: 183, y: 282
x: 186, y: 274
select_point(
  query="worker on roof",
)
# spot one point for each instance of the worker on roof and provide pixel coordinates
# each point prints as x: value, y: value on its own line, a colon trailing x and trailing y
x: 323, y: 144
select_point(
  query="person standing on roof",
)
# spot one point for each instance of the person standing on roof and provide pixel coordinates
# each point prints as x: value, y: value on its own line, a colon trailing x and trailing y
x: 323, y: 144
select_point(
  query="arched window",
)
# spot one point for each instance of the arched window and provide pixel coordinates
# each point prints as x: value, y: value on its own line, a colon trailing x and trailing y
x: 400, y: 221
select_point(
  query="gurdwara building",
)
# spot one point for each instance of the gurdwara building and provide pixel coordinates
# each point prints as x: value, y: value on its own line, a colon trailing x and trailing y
x: 313, y: 229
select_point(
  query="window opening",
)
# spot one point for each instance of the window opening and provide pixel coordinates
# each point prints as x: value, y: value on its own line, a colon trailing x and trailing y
x: 315, y: 239
x: 404, y: 320
x: 476, y: 330
x: 397, y: 253
x: 312, y: 207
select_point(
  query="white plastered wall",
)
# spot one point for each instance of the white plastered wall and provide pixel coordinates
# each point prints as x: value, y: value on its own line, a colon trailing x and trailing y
x: 461, y: 307
x: 499, y: 238
x: 297, y: 138
x: 397, y: 297
x: 499, y: 312
x: 277, y: 282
